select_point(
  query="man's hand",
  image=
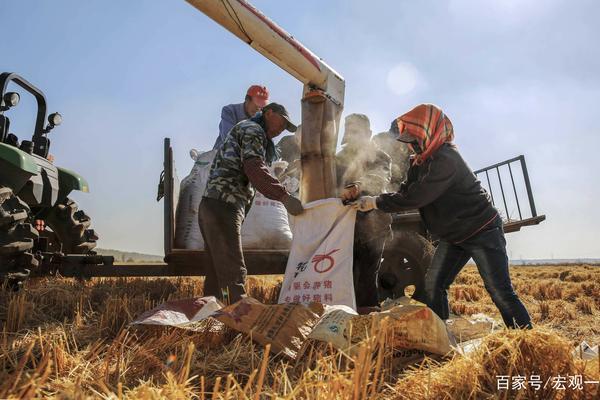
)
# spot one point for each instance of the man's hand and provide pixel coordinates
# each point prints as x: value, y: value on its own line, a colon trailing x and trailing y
x: 350, y: 193
x: 292, y: 205
x: 365, y: 203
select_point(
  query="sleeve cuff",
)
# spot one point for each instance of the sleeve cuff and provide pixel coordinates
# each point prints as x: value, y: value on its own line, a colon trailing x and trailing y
x: 380, y: 204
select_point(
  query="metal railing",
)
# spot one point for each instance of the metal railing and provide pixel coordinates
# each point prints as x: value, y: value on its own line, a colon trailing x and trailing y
x: 497, y: 181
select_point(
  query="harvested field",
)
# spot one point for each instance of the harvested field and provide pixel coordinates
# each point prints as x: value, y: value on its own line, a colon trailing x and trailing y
x: 69, y: 339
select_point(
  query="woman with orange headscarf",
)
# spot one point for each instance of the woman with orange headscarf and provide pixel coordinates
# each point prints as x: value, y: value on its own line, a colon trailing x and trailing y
x: 455, y: 209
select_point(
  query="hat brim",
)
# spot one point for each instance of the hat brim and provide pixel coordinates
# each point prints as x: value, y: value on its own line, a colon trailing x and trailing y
x: 291, y: 127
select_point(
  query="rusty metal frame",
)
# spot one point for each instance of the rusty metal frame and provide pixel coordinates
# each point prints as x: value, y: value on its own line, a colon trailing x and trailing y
x: 513, y: 224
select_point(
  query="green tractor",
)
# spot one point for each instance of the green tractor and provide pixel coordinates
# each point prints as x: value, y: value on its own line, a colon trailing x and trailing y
x: 39, y: 224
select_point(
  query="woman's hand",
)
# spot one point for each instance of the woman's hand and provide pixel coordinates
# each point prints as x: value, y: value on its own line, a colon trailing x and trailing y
x: 365, y: 203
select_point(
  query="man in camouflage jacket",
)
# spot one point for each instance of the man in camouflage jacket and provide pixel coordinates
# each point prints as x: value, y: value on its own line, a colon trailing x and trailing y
x: 239, y: 167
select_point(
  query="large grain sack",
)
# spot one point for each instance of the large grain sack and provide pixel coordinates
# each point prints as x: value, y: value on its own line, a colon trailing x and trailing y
x: 284, y: 326
x: 266, y: 226
x: 319, y: 267
x: 191, y: 190
x: 416, y: 326
x: 415, y: 330
x: 333, y: 325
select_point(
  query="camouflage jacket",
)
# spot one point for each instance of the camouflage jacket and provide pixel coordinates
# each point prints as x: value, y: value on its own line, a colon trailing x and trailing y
x: 227, y: 180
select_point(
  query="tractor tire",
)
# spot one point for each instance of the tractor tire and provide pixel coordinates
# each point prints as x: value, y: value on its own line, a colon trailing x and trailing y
x: 71, y: 226
x: 17, y: 238
x: 406, y: 259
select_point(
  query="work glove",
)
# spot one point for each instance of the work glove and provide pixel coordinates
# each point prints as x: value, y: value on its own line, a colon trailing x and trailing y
x: 365, y: 203
x: 292, y: 205
x: 350, y: 193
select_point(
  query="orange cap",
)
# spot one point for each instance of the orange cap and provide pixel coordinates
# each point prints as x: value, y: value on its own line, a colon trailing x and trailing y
x: 259, y: 94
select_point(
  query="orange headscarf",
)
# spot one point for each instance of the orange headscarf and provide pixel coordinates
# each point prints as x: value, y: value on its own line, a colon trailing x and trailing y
x: 430, y: 126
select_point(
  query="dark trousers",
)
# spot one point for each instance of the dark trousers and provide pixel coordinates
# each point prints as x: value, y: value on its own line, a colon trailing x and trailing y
x: 488, y: 250
x: 370, y: 233
x: 221, y: 224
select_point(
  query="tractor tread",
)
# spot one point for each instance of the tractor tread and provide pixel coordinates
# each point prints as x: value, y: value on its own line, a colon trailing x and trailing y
x: 17, y: 238
x: 71, y: 225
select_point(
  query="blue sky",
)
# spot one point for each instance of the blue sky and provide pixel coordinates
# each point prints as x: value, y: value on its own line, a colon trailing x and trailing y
x: 515, y: 77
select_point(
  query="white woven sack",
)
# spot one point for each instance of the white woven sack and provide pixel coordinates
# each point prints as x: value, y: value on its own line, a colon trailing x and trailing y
x: 187, y: 230
x: 319, y: 267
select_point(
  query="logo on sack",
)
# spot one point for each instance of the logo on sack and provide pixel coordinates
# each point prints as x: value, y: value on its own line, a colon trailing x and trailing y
x: 300, y: 268
x: 324, y: 262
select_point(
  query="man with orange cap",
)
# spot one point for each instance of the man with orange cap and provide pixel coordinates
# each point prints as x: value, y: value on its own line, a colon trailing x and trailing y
x: 455, y: 209
x: 256, y: 98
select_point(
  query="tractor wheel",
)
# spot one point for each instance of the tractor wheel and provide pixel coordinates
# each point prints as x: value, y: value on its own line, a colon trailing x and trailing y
x: 17, y: 238
x: 406, y: 259
x: 71, y: 226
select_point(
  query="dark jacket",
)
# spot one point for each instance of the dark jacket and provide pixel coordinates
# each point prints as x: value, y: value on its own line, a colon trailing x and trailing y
x: 453, y: 204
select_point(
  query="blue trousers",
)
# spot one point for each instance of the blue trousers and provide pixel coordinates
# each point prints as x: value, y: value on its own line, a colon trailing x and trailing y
x: 488, y: 250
